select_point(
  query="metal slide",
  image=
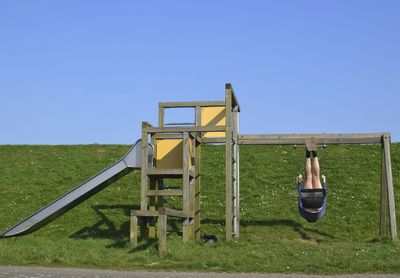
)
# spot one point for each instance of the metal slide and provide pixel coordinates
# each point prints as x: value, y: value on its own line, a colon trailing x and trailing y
x: 130, y: 162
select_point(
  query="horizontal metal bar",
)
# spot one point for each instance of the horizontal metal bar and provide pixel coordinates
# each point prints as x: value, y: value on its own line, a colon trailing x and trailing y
x: 297, y: 139
x: 179, y: 124
x: 189, y: 104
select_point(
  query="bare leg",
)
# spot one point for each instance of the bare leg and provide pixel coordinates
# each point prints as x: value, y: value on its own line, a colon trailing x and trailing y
x: 316, y: 181
x: 309, y: 183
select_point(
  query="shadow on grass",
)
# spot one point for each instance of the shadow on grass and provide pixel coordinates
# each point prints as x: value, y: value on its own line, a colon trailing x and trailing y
x: 296, y: 226
x: 110, y: 231
x: 143, y: 247
x: 106, y: 229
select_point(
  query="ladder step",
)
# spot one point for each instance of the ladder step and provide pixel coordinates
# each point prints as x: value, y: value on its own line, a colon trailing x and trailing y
x: 145, y: 213
x: 167, y: 173
x: 166, y: 192
x: 177, y: 213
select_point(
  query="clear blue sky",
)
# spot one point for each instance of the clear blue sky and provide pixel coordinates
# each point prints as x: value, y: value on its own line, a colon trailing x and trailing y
x: 78, y: 72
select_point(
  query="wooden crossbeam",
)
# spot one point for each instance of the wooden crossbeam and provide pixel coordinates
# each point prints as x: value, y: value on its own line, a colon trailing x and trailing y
x: 176, y: 213
x: 168, y: 192
x: 184, y: 129
x: 297, y: 139
x: 189, y: 104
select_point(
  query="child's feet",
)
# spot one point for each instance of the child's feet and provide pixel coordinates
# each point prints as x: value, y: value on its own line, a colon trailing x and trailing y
x: 311, y: 144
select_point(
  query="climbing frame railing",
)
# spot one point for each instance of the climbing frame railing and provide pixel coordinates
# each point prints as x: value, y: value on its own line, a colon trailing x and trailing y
x: 218, y: 122
x: 183, y: 165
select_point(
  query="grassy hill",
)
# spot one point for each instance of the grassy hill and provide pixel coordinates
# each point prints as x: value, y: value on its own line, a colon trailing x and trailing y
x: 274, y: 238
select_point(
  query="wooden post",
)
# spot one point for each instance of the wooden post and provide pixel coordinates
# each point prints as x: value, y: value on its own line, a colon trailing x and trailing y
x: 143, y: 184
x: 236, y: 183
x: 389, y: 182
x: 197, y: 190
x: 134, y: 228
x: 153, y: 199
x: 198, y: 115
x: 161, y: 113
x: 228, y: 163
x: 186, y: 186
x: 384, y: 191
x: 152, y: 207
x: 162, y: 240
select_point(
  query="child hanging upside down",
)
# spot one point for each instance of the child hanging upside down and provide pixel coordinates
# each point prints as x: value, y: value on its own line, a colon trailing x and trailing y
x: 312, y: 194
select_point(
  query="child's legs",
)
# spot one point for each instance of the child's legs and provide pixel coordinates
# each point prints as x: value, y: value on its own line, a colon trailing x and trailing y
x: 316, y: 181
x: 309, y: 178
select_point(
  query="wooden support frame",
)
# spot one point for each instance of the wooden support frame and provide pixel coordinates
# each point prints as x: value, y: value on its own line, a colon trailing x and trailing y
x: 232, y: 195
x: 192, y: 175
x: 236, y: 174
x: 186, y: 186
x: 197, y: 190
x: 387, y: 191
x: 145, y: 163
x: 152, y: 213
x: 228, y: 164
x: 232, y: 108
x: 298, y: 139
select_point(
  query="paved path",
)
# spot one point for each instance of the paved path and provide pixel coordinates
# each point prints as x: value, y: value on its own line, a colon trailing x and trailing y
x: 39, y: 272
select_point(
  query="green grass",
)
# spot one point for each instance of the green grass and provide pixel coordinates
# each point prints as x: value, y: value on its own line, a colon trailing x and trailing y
x: 274, y: 238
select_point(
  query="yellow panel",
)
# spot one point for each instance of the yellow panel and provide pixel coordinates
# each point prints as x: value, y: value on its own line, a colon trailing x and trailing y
x: 213, y: 116
x: 169, y: 154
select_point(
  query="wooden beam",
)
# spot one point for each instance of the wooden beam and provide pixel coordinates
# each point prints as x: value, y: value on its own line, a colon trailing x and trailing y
x: 384, y: 193
x: 134, y: 229
x: 236, y: 176
x: 166, y: 192
x: 190, y: 104
x: 184, y: 129
x: 234, y: 99
x: 197, y: 190
x: 167, y: 136
x: 144, y: 178
x: 228, y: 166
x: 161, y: 114
x: 213, y: 140
x: 176, y: 213
x: 298, y: 139
x: 162, y: 236
x: 145, y: 213
x: 152, y: 207
x: 389, y: 180
x: 186, y: 185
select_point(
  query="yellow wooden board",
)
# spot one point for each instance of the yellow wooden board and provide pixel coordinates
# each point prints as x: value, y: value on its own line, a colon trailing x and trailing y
x: 213, y: 116
x: 169, y: 154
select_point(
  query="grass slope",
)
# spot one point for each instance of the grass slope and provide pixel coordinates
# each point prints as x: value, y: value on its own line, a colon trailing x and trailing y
x: 274, y: 238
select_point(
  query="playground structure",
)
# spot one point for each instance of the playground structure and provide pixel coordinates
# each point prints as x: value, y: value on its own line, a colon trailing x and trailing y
x: 172, y: 151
